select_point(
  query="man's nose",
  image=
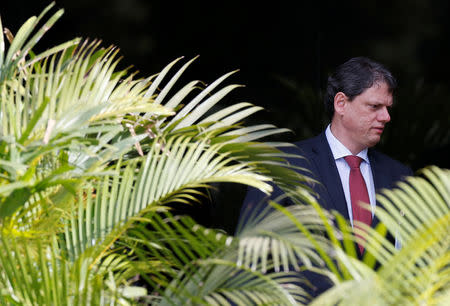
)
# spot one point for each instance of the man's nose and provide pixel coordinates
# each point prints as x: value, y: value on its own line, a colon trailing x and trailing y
x: 383, y: 115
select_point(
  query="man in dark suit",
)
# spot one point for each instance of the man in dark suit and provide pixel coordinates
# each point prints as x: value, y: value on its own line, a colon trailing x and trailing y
x: 358, y: 98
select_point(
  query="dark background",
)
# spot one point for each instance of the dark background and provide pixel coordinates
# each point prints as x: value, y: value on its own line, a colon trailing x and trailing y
x: 285, y: 51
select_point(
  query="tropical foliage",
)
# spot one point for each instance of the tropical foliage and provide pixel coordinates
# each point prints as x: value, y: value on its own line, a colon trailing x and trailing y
x: 88, y: 153
x: 92, y: 159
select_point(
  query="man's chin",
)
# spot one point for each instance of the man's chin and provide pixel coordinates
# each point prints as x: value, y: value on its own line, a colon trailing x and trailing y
x: 373, y: 141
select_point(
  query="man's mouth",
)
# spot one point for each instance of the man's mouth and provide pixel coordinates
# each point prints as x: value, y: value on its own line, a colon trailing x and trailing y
x: 379, y: 130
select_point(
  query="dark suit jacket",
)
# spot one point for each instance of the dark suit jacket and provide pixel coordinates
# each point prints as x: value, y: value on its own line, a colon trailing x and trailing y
x: 318, y: 159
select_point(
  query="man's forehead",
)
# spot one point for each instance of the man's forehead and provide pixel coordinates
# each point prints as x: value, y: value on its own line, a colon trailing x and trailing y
x: 379, y: 93
x: 380, y: 98
x: 380, y: 84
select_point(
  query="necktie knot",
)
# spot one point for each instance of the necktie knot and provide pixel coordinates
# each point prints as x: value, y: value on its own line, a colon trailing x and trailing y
x: 353, y: 161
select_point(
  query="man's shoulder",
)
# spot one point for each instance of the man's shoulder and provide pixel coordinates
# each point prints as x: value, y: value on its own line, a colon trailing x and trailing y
x: 301, y: 153
x: 309, y: 144
x: 311, y: 141
x: 387, y: 162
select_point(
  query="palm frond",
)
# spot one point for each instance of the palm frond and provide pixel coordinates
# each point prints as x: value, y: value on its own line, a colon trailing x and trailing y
x: 36, y: 273
x: 189, y: 264
x: 222, y: 282
x: 167, y: 174
x: 288, y: 236
x: 16, y: 57
x: 71, y: 93
x: 65, y: 103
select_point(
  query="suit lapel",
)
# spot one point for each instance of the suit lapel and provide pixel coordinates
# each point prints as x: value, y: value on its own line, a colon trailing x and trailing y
x: 333, y: 194
x: 380, y: 178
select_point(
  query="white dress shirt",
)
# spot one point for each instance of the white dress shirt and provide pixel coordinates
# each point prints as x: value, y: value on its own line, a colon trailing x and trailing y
x: 339, y: 152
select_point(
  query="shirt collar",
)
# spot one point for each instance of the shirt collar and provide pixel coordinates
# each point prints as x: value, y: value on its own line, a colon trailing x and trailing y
x: 339, y: 150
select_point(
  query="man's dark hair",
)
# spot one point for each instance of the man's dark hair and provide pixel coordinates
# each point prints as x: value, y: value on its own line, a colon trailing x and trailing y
x: 353, y: 78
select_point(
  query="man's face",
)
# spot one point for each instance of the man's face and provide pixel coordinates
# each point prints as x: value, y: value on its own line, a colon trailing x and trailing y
x: 364, y: 118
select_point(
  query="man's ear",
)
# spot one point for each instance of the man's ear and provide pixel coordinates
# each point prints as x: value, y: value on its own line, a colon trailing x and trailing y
x: 339, y: 102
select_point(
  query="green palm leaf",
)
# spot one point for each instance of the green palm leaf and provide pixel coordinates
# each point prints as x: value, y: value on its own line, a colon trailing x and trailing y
x: 286, y: 235
x: 222, y: 282
x: 189, y: 264
x: 35, y: 273
x: 15, y: 59
x: 167, y: 174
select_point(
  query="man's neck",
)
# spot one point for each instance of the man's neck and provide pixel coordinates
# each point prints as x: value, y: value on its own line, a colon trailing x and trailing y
x: 338, y: 149
x: 337, y: 132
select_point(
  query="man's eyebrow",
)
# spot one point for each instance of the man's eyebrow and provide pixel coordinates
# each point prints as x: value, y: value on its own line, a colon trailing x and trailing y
x: 380, y: 102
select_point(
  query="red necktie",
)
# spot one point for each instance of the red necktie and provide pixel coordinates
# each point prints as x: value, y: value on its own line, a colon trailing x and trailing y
x: 358, y: 193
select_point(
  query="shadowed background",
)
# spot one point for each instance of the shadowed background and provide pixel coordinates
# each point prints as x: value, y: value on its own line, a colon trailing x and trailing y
x: 285, y: 51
